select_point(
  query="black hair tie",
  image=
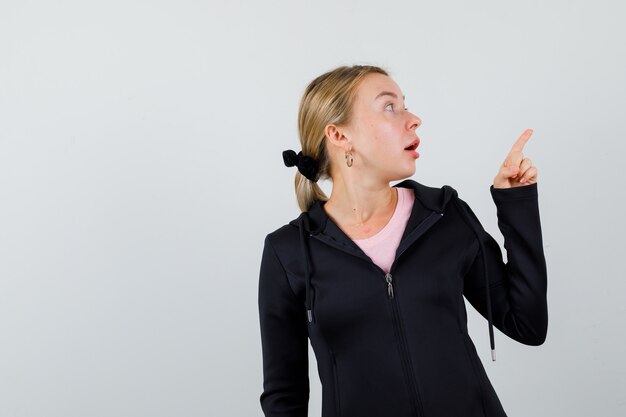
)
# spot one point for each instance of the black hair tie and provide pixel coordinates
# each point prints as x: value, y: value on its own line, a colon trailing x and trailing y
x: 307, y: 165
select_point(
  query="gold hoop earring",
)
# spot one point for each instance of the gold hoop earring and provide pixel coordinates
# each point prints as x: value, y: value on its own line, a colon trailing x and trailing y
x: 349, y: 159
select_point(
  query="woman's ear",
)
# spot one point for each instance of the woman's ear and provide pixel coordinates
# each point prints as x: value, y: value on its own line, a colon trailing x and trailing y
x: 338, y: 136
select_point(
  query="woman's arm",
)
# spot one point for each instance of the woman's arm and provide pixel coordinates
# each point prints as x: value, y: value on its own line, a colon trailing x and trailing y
x: 284, y: 341
x: 517, y: 288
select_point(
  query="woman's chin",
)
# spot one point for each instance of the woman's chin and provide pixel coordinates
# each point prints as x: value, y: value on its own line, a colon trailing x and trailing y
x: 408, y: 171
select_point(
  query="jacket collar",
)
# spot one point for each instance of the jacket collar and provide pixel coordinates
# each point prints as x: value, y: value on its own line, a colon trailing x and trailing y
x: 427, y: 200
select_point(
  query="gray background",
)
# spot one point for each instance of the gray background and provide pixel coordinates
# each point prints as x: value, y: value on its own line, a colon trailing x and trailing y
x: 141, y: 168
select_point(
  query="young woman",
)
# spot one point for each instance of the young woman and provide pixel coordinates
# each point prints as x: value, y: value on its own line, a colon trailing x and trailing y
x: 375, y: 275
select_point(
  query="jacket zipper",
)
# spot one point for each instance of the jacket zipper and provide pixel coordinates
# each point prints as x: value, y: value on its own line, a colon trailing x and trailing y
x: 406, y: 359
x: 388, y: 276
x: 389, y: 285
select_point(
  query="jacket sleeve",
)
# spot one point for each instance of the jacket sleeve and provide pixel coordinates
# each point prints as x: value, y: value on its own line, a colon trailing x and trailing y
x: 517, y: 288
x: 284, y: 341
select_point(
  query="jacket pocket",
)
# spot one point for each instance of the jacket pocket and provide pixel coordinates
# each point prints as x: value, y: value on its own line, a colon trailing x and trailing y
x: 471, y: 357
x: 336, y: 385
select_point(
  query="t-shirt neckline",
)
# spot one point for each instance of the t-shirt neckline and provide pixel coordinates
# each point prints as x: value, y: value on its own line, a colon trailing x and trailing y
x: 392, y: 219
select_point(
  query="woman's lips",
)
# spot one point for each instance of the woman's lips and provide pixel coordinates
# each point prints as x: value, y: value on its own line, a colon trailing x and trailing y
x: 414, y: 153
x: 412, y: 148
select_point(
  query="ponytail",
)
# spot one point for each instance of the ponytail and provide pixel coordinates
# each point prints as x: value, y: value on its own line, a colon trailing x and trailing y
x: 307, y: 192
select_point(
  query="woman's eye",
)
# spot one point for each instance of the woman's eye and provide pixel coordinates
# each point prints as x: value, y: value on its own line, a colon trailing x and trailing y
x: 391, y: 104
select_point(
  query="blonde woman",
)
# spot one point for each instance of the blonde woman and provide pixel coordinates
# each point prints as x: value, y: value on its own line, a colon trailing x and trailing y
x: 375, y: 276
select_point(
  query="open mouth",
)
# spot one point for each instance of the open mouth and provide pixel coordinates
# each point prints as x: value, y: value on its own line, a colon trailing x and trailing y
x: 412, y: 148
x: 413, y: 145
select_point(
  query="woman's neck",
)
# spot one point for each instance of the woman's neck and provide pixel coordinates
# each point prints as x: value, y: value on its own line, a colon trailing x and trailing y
x: 359, y: 206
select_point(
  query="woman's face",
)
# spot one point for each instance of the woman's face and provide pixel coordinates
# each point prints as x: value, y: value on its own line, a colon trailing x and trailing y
x: 380, y: 130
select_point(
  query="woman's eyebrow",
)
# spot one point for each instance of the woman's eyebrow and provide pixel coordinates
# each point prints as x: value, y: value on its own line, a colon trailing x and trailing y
x: 388, y: 93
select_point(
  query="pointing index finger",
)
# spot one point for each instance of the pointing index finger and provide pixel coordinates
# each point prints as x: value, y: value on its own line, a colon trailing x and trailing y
x: 521, y: 141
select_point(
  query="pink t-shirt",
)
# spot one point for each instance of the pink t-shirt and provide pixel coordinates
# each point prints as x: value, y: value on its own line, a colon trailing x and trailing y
x: 382, y: 246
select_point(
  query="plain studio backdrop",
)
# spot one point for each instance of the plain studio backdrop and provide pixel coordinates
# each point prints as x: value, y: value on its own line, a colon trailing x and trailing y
x: 141, y: 168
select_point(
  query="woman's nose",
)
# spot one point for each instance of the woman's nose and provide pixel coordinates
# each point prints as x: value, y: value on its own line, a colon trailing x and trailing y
x: 415, y: 122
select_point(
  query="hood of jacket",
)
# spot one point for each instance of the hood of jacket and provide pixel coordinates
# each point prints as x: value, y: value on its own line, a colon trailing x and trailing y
x: 430, y: 203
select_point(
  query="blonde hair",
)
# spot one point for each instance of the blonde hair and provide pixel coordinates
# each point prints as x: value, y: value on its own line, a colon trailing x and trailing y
x: 328, y: 99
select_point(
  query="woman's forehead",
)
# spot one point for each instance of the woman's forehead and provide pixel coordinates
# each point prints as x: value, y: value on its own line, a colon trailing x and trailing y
x: 378, y: 87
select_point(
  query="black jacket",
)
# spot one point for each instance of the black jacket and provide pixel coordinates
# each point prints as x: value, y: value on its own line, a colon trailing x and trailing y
x: 396, y: 345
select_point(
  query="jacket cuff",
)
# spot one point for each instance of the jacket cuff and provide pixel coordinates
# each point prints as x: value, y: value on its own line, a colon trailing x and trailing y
x: 513, y: 193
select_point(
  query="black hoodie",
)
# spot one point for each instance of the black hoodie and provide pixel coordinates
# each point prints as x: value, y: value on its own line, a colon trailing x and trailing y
x: 396, y: 344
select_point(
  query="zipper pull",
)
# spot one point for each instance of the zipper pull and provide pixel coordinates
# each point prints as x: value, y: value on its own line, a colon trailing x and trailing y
x: 389, y: 286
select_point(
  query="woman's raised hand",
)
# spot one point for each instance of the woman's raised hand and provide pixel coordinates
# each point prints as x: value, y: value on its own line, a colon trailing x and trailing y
x: 516, y: 171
